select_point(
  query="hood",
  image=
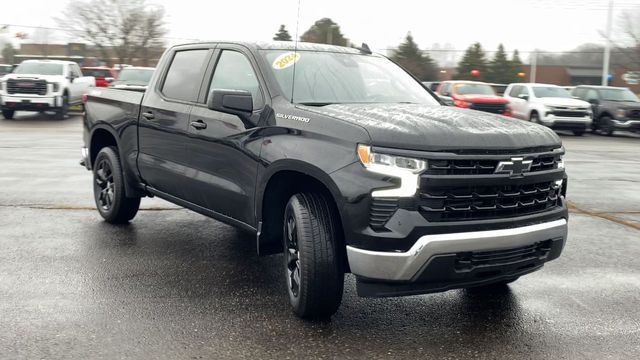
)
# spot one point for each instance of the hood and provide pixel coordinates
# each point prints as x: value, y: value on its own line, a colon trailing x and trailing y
x: 623, y: 104
x: 48, y: 78
x: 558, y: 101
x: 435, y: 127
x: 482, y: 99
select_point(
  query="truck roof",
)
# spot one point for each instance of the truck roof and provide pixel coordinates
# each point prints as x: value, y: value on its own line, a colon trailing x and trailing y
x: 284, y: 45
x: 62, y: 62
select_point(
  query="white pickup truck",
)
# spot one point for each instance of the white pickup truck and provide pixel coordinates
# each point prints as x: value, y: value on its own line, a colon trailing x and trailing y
x: 43, y: 85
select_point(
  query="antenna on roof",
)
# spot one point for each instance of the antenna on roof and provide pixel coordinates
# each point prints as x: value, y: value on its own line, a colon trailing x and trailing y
x: 364, y: 48
x: 295, y: 54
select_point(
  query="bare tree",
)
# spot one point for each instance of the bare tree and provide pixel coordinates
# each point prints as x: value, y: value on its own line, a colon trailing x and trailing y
x: 116, y: 27
x: 630, y: 30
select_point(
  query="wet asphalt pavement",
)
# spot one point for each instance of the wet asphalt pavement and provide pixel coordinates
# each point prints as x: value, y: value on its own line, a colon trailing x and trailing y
x: 175, y: 284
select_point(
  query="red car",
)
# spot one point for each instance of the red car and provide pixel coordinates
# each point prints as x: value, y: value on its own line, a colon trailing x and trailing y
x: 104, y: 75
x: 473, y: 95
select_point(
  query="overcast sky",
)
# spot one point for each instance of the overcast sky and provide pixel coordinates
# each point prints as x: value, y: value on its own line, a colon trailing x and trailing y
x: 553, y: 25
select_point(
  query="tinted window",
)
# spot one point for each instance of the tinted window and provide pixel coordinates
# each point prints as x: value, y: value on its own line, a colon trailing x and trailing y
x: 618, y: 95
x: 446, y: 89
x: 234, y: 72
x: 515, y: 91
x: 591, y: 95
x: 185, y: 75
x: 550, y: 91
x: 96, y: 73
x: 474, y: 89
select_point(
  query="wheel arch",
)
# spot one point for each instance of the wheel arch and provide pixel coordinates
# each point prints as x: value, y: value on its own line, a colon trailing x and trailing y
x: 280, y: 181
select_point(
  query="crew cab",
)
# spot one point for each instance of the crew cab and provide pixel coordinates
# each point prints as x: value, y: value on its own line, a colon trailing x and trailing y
x: 337, y: 158
x: 614, y: 108
x: 103, y: 75
x: 549, y: 105
x: 43, y: 85
x: 473, y: 95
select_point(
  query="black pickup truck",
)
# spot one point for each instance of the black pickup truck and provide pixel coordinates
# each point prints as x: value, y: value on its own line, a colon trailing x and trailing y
x: 339, y: 159
x: 614, y: 108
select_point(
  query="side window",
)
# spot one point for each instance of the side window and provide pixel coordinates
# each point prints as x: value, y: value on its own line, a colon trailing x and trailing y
x: 515, y: 91
x: 74, y: 69
x: 234, y: 72
x: 446, y: 89
x: 185, y: 75
x: 578, y: 92
x: 591, y: 95
x: 524, y: 91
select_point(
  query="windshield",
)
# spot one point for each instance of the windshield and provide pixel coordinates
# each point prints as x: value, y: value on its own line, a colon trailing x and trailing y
x: 138, y: 76
x: 323, y: 78
x: 96, y: 73
x: 550, y: 91
x: 474, y: 89
x: 618, y: 95
x: 39, y: 68
x: 5, y: 69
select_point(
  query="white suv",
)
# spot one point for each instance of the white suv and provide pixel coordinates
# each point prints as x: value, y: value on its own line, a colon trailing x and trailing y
x: 43, y: 85
x: 549, y: 105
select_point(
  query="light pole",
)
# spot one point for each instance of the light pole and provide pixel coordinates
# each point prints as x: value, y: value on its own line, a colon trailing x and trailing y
x: 607, y: 47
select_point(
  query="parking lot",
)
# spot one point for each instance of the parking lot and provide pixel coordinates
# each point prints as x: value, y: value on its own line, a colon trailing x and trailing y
x: 175, y: 284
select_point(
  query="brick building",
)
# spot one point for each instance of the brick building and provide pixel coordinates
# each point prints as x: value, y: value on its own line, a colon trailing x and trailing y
x: 83, y: 54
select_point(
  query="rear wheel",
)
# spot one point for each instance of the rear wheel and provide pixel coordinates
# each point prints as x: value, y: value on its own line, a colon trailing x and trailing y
x: 108, y: 188
x: 8, y: 114
x: 313, y: 267
x: 578, y: 132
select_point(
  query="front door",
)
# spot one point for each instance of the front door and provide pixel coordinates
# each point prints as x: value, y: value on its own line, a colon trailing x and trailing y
x: 222, y: 154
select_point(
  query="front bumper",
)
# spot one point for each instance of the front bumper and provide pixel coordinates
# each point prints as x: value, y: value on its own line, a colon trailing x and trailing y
x: 567, y: 123
x: 408, y: 266
x: 30, y: 103
x: 632, y: 125
x: 84, y: 160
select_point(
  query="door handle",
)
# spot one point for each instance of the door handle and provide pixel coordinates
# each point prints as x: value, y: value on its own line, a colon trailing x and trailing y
x: 148, y: 115
x: 198, y: 125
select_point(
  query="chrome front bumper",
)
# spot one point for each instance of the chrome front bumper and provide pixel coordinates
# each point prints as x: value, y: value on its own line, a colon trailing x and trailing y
x: 84, y: 160
x: 405, y: 266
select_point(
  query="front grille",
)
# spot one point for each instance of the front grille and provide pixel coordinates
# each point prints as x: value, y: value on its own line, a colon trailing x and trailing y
x: 634, y: 114
x: 27, y: 86
x: 560, y: 113
x: 470, y: 260
x: 488, y: 202
x: 540, y: 162
x: 380, y: 212
x: 492, y: 108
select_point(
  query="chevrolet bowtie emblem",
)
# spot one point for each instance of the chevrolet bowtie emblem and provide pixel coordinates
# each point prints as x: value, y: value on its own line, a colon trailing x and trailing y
x: 516, y: 167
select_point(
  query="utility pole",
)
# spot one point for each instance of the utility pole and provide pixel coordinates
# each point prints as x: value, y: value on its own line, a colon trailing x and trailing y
x: 607, y: 47
x: 534, y: 66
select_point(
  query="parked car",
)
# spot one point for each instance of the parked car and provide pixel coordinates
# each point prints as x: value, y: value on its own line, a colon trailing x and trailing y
x: 614, y: 108
x: 339, y: 174
x: 549, y: 105
x: 104, y: 75
x: 43, y: 85
x: 499, y: 88
x: 473, y: 95
x: 432, y: 85
x: 133, y: 78
x: 5, y: 69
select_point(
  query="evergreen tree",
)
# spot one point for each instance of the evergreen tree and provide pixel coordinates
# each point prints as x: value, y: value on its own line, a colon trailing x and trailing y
x: 325, y: 31
x: 500, y: 69
x: 8, y: 53
x: 409, y: 56
x: 516, y: 65
x: 474, y: 59
x: 282, y: 34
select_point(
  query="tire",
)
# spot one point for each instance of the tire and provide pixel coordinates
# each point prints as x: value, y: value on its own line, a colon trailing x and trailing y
x: 108, y: 188
x: 313, y: 264
x: 605, y: 125
x: 8, y: 114
x: 578, y: 132
x: 61, y: 112
x: 534, y: 118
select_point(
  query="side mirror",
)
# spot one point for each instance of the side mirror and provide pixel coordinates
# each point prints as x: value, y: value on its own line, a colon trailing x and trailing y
x: 235, y: 102
x: 524, y: 97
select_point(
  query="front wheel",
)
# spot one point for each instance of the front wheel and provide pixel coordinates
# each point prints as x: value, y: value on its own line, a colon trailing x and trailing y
x: 578, y: 132
x: 8, y: 114
x: 313, y: 266
x: 62, y: 111
x: 108, y: 188
x: 534, y: 118
x: 605, y: 125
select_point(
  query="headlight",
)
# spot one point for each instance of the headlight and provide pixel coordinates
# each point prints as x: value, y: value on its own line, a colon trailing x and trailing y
x: 561, y: 163
x: 406, y: 169
x: 621, y: 113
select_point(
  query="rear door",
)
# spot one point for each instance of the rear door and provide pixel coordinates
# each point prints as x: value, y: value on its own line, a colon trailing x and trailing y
x: 518, y: 105
x: 221, y: 151
x: 164, y: 120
